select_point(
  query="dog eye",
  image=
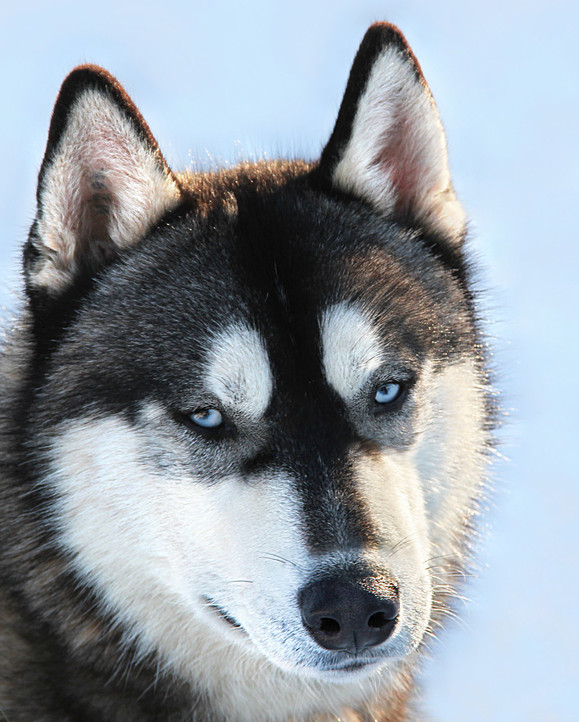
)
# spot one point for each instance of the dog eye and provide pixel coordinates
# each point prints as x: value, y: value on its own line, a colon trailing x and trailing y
x: 207, y: 418
x: 389, y: 392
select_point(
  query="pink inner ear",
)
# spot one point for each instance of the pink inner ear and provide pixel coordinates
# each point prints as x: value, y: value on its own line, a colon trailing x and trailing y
x: 88, y: 174
x: 98, y: 205
x: 413, y: 157
x: 106, y: 170
x: 405, y: 168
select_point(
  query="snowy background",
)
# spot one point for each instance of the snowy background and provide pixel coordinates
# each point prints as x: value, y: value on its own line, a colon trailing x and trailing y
x: 220, y: 80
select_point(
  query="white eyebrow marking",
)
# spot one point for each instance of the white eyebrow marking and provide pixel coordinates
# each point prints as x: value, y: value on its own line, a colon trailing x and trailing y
x: 351, y: 348
x: 239, y: 372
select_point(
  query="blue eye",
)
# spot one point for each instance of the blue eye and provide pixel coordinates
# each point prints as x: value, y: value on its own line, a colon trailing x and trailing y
x: 388, y: 392
x: 207, y: 418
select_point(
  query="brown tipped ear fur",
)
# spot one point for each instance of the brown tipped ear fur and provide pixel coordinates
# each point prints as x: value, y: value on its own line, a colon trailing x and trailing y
x: 388, y: 145
x: 103, y: 182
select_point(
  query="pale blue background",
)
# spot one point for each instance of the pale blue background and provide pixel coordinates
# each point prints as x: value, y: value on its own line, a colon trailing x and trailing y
x: 219, y: 80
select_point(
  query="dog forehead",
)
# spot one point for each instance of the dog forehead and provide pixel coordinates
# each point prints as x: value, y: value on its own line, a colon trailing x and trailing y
x: 351, y: 347
x: 238, y: 369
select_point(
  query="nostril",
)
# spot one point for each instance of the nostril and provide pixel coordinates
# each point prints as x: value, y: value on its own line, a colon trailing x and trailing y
x: 329, y: 626
x: 385, y: 616
x: 378, y: 620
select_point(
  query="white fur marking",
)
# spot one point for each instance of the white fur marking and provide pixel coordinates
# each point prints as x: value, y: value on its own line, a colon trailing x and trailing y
x: 351, y: 348
x: 239, y: 372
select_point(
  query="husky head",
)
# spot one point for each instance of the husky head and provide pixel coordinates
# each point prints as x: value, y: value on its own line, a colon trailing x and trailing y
x: 258, y: 406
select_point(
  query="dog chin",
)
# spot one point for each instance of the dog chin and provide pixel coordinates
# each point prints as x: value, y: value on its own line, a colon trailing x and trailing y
x: 357, y: 670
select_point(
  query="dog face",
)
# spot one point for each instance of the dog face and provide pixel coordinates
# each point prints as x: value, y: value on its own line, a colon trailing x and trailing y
x: 261, y: 414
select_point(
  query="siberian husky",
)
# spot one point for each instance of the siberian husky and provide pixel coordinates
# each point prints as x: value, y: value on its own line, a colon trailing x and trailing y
x: 245, y: 418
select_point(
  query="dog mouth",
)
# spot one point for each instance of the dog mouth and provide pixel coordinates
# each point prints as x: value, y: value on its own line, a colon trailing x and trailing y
x: 352, y: 666
x: 222, y: 614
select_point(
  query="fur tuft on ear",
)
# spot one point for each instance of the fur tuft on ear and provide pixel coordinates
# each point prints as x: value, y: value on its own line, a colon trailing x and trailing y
x: 388, y: 145
x: 103, y: 182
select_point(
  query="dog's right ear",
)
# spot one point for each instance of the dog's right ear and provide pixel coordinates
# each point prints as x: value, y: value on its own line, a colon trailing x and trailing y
x: 103, y: 183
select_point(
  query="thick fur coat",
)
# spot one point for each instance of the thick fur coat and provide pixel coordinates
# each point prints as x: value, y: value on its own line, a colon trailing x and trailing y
x: 244, y: 418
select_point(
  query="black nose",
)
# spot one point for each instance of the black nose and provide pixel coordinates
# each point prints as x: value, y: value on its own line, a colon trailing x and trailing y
x: 349, y: 616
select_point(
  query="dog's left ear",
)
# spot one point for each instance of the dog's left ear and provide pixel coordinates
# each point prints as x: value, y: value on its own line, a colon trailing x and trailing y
x: 102, y: 185
x: 388, y: 145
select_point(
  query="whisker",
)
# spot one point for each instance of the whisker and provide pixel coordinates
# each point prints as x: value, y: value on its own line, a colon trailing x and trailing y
x: 400, y: 545
x: 278, y: 558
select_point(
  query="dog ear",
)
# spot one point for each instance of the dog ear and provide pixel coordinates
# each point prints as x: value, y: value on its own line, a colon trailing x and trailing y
x: 388, y: 145
x: 103, y: 182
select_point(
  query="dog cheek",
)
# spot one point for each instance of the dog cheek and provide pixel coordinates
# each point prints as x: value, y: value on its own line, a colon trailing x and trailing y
x: 451, y: 455
x: 103, y: 493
